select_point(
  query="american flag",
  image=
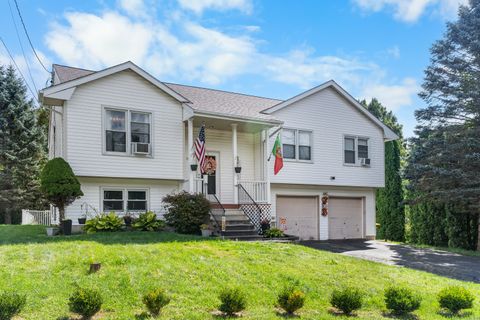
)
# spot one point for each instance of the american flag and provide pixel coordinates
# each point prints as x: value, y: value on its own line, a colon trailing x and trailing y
x: 200, y: 149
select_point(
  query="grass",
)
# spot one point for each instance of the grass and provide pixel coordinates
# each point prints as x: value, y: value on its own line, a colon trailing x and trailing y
x: 194, y: 271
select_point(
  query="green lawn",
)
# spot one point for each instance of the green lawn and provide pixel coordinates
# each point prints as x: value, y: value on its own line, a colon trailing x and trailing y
x: 193, y: 271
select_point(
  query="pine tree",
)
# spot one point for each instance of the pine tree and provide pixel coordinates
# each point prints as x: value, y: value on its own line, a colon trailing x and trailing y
x: 21, y: 147
x: 389, y: 207
x: 444, y: 164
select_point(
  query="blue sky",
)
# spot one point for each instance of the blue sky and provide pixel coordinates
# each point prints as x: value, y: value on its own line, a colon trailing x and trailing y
x: 373, y: 48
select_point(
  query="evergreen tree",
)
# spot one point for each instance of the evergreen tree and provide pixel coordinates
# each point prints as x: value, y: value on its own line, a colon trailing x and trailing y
x: 444, y: 164
x: 389, y: 206
x: 21, y: 147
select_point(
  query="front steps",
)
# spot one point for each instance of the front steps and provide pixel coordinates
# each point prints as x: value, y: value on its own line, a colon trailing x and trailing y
x: 238, y: 226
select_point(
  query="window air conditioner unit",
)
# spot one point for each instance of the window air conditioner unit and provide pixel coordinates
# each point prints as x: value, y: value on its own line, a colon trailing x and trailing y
x: 365, y: 162
x: 141, y: 148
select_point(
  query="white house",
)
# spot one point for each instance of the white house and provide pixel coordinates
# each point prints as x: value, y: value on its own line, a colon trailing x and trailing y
x: 129, y: 138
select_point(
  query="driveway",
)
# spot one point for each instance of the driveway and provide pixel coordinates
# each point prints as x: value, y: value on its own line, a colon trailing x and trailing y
x: 447, y: 264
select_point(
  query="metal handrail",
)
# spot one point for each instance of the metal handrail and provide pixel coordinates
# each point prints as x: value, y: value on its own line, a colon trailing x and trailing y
x: 223, y: 214
x: 252, y: 201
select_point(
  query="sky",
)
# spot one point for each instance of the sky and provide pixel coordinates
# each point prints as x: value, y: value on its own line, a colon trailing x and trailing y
x: 271, y: 48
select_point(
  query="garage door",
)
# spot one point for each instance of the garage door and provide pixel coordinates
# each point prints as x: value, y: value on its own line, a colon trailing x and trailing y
x: 345, y: 218
x: 300, y: 215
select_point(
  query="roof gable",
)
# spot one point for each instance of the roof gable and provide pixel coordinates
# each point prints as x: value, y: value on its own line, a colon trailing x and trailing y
x: 387, y: 132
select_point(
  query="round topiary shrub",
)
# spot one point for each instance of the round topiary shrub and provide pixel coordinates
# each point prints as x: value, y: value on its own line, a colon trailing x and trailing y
x: 401, y: 300
x: 155, y: 300
x: 291, y: 299
x: 186, y: 212
x: 347, y: 300
x: 11, y: 304
x: 232, y: 301
x: 86, y: 302
x: 455, y: 298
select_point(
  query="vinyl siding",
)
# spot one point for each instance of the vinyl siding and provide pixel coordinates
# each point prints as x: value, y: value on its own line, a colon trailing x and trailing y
x: 92, y: 188
x: 368, y: 194
x: 329, y: 116
x: 84, y: 131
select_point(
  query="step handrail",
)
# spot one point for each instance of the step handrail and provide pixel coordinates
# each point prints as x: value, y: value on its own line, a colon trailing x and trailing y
x: 243, y: 192
x: 223, y: 214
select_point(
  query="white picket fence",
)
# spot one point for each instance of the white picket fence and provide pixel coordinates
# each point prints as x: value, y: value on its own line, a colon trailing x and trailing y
x: 42, y: 217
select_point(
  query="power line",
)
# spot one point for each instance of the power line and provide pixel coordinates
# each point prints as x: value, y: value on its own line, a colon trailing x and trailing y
x: 18, y: 69
x: 21, y: 46
x: 28, y: 37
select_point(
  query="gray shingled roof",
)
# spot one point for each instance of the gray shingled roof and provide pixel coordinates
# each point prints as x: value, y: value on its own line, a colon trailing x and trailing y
x: 202, y: 99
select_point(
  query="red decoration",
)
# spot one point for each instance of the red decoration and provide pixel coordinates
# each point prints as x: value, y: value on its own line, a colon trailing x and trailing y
x: 325, y: 204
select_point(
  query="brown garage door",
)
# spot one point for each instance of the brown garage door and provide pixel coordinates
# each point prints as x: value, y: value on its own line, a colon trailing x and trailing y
x: 345, y: 218
x: 300, y: 215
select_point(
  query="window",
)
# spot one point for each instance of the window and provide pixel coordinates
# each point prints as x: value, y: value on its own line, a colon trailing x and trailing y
x: 137, y: 200
x: 122, y: 128
x: 288, y: 140
x: 297, y: 144
x: 116, y: 132
x: 304, y: 145
x: 115, y: 200
x: 362, y: 148
x: 112, y: 200
x: 349, y: 150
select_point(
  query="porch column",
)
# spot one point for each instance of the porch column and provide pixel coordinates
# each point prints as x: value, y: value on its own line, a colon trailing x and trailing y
x: 235, y: 155
x: 190, y: 155
x: 266, y: 172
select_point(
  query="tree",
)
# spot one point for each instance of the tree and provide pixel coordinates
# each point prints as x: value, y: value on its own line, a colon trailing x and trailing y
x: 21, y: 147
x: 389, y: 200
x: 60, y: 185
x: 445, y: 156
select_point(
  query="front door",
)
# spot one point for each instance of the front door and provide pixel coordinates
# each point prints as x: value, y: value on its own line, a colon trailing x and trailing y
x: 212, y: 172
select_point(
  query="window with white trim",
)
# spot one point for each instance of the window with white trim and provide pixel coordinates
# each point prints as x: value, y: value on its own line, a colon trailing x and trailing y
x: 355, y: 148
x: 297, y: 144
x: 362, y: 147
x: 140, y: 127
x: 115, y: 131
x: 124, y: 200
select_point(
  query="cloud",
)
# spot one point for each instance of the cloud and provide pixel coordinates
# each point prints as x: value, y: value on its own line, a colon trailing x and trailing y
x: 394, y: 52
x: 412, y: 10
x: 135, y: 8
x: 392, y: 96
x: 198, y: 6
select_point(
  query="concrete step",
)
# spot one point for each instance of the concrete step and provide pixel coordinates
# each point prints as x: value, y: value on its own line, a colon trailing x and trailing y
x: 240, y: 226
x: 244, y: 237
x: 231, y: 217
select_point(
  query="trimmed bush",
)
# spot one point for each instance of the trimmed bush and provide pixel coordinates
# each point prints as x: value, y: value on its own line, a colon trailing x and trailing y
x: 86, y: 302
x: 347, y: 300
x: 455, y: 298
x: 186, y: 212
x: 11, y: 304
x: 155, y: 300
x: 232, y: 301
x: 291, y: 299
x: 401, y: 300
x: 104, y: 222
x: 148, y: 222
x: 273, y: 233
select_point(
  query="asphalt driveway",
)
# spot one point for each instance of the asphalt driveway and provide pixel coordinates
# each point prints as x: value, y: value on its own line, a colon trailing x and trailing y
x: 447, y: 264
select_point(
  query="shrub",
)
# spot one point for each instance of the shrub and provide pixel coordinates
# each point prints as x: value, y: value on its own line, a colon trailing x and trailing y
x: 186, y: 212
x: 232, y: 301
x: 148, y: 222
x: 455, y: 299
x: 347, y: 300
x: 155, y: 300
x: 291, y: 299
x: 85, y: 302
x: 11, y: 304
x: 401, y: 300
x: 273, y: 233
x: 104, y: 222
x: 59, y: 184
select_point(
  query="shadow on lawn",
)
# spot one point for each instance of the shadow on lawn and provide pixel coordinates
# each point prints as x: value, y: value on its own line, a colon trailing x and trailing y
x: 443, y: 263
x: 30, y: 234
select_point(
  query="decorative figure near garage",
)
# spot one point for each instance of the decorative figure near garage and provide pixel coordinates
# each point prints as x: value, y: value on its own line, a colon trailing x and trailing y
x: 325, y: 204
x: 283, y: 223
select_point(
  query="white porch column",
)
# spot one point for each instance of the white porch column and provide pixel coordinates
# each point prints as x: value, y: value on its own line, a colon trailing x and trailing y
x: 235, y: 155
x: 190, y: 155
x: 266, y: 171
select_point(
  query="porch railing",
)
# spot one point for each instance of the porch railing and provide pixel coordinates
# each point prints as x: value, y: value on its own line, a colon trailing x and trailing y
x: 198, y: 185
x: 42, y: 217
x: 251, y: 208
x: 256, y: 189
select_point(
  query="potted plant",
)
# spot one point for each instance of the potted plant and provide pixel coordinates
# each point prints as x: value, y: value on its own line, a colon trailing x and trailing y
x: 128, y: 219
x: 264, y: 225
x: 206, y: 230
x: 238, y: 167
x: 52, y: 230
x: 194, y: 166
x: 82, y: 219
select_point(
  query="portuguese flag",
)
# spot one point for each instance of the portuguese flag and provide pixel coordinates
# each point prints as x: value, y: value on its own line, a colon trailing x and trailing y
x: 277, y: 152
